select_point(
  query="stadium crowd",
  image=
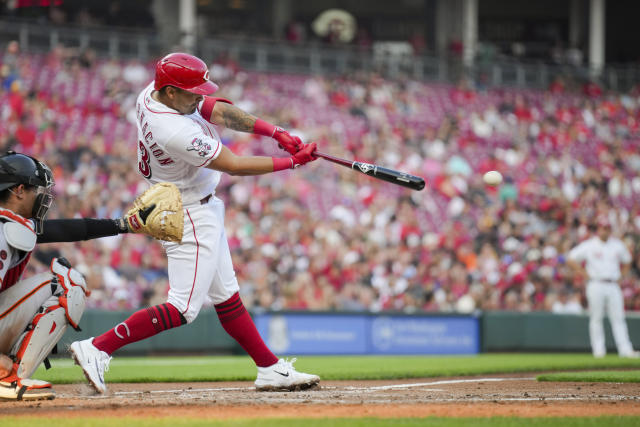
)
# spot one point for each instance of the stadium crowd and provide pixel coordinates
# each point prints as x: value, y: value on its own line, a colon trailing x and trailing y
x: 325, y: 238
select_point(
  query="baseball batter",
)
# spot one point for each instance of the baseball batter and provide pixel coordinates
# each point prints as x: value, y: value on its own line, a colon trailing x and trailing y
x: 35, y: 312
x: 602, y: 256
x: 178, y: 143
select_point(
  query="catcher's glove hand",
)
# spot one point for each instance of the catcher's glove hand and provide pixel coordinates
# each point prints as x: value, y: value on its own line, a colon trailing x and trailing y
x: 158, y: 213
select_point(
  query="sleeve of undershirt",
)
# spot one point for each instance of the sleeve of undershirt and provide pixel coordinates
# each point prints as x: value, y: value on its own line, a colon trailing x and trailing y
x: 74, y: 230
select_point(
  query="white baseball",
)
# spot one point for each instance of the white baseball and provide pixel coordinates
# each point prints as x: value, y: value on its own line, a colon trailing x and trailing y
x: 492, y: 178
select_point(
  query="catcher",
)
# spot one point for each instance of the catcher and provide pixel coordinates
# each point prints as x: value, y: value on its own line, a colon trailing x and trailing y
x: 35, y: 312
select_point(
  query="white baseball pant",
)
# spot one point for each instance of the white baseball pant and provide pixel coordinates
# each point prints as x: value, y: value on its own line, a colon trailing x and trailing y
x: 19, y: 304
x: 201, y: 265
x: 607, y: 296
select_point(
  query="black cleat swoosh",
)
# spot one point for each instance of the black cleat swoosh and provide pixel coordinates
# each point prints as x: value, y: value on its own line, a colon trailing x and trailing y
x: 280, y: 373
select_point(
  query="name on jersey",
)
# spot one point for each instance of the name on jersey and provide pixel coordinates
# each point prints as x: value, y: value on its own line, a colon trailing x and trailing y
x: 154, y: 148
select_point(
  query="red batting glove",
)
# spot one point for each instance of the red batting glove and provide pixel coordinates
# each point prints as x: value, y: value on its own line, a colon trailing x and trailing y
x: 305, y: 155
x: 300, y: 158
x: 291, y: 144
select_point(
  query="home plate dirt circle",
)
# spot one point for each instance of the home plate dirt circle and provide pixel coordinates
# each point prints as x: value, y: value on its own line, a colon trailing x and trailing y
x: 507, y: 395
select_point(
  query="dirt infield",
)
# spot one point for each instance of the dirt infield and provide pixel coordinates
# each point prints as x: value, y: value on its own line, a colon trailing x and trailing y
x: 493, y: 395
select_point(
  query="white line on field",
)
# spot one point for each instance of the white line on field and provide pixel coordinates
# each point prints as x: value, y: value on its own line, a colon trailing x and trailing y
x: 409, y: 385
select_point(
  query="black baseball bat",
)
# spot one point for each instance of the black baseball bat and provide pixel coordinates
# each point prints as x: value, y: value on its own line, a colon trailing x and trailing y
x: 393, y: 176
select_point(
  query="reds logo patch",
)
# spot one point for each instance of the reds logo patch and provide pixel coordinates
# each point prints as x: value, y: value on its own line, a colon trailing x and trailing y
x: 200, y: 146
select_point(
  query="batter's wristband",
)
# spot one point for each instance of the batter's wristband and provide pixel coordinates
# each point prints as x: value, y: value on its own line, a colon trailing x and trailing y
x: 264, y: 128
x: 282, y: 163
x: 208, y: 104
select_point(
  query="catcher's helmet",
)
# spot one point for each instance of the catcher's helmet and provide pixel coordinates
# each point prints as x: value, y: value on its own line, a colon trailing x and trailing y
x: 16, y: 168
x: 185, y: 72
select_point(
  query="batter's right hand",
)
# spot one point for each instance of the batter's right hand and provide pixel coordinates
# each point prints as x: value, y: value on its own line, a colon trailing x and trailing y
x: 305, y: 155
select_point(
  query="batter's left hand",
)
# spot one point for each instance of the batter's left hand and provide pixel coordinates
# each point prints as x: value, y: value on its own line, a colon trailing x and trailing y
x: 291, y: 144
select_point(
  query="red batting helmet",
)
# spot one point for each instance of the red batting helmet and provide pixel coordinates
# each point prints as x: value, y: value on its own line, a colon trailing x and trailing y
x: 185, y: 72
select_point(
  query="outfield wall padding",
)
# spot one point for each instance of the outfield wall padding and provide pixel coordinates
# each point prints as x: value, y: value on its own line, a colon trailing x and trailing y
x: 542, y: 331
x: 498, y: 332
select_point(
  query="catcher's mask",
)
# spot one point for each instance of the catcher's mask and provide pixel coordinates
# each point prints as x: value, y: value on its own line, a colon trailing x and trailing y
x: 16, y: 168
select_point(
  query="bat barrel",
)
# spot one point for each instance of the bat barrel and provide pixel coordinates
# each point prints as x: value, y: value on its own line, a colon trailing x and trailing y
x: 393, y: 176
x: 390, y: 175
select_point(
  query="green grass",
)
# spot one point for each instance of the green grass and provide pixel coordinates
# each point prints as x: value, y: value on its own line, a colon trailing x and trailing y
x: 593, y: 376
x: 232, y: 368
x: 608, y: 421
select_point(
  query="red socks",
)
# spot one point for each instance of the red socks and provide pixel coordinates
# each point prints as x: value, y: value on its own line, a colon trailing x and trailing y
x: 236, y: 321
x: 142, y: 324
x: 147, y: 322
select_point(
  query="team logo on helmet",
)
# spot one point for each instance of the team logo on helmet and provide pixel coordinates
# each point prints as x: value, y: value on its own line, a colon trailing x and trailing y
x: 200, y: 146
x: 206, y: 75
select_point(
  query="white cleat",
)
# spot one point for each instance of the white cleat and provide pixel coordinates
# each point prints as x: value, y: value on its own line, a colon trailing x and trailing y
x: 14, y: 388
x: 283, y: 376
x: 94, y: 362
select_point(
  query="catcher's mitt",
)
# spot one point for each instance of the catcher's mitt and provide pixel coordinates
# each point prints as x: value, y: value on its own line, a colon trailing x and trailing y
x: 158, y: 213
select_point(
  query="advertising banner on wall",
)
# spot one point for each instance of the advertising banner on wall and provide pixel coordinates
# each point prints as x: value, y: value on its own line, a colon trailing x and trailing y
x: 313, y: 334
x: 424, y: 335
x: 369, y: 334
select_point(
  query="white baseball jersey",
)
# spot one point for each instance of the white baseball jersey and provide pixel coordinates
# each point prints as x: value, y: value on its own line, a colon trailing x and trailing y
x: 602, y: 259
x: 175, y: 148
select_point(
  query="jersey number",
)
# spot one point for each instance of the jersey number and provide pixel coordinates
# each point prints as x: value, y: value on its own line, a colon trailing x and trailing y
x: 143, y: 164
